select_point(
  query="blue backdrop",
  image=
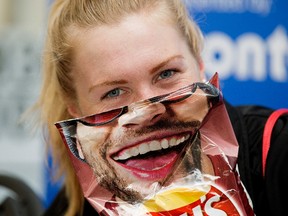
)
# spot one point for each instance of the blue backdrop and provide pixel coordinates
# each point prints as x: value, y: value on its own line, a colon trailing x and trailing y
x: 246, y: 42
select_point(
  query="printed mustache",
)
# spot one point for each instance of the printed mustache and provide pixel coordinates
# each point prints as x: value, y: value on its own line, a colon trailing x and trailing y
x: 165, y: 124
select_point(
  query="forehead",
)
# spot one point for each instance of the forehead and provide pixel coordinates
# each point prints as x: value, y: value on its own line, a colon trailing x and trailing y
x: 136, y: 35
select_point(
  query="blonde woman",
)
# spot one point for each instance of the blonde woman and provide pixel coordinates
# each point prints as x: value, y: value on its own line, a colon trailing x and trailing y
x: 101, y: 55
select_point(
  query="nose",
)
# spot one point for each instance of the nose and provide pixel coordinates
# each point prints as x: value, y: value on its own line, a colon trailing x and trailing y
x: 141, y: 116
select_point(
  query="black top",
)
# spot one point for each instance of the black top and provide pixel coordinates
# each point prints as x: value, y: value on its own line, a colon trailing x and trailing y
x: 268, y: 195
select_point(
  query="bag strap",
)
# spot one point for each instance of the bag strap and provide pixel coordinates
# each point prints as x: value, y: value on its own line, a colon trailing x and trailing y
x: 268, y: 133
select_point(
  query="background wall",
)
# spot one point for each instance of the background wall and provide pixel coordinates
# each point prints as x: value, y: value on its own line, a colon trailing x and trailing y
x: 246, y: 42
x: 21, y: 34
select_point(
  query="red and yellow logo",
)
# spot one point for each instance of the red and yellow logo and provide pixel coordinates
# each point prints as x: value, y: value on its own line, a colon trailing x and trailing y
x: 201, y: 201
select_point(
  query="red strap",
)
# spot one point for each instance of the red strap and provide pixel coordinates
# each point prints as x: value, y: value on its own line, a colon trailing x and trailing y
x: 267, y: 134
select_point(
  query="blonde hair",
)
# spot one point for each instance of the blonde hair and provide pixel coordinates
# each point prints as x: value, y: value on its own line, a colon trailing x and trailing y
x: 58, y: 87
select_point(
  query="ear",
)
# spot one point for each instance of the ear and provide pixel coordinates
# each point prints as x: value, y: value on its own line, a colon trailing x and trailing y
x: 202, y: 70
x: 73, y: 109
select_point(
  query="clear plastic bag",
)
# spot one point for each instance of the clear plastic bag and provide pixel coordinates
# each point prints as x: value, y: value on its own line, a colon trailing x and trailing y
x: 173, y: 154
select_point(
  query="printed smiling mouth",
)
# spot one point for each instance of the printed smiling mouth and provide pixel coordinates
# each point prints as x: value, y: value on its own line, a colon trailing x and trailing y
x: 153, y: 155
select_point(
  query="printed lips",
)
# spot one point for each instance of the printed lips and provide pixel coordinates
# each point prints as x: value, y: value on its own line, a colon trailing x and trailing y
x: 154, y: 159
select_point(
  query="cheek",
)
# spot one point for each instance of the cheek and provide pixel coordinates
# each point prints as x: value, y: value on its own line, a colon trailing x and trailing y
x: 93, y: 141
x: 191, y: 109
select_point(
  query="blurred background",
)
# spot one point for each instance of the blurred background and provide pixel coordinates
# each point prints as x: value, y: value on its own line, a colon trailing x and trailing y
x: 246, y: 43
x: 22, y: 27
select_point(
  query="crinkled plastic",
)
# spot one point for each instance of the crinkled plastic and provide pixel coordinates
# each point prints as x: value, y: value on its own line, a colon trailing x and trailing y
x: 174, y: 154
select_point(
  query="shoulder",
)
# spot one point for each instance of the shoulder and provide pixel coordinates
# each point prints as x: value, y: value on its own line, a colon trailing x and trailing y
x: 248, y: 123
x: 60, y: 205
x: 267, y: 193
x: 249, y: 115
x: 253, y: 120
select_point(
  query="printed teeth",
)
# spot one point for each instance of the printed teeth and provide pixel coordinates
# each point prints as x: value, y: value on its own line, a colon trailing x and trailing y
x: 147, y: 147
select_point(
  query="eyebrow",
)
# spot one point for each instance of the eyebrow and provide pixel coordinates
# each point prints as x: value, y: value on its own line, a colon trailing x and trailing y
x: 162, y: 64
x: 153, y: 70
x: 109, y: 83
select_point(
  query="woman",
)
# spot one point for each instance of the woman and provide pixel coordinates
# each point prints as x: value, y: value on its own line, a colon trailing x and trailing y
x: 101, y: 55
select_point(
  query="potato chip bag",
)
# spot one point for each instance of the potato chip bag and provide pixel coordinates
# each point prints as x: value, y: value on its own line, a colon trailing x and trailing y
x: 173, y: 154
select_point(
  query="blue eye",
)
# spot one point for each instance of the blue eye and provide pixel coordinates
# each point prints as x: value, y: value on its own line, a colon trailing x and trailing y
x: 166, y: 74
x: 114, y: 93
